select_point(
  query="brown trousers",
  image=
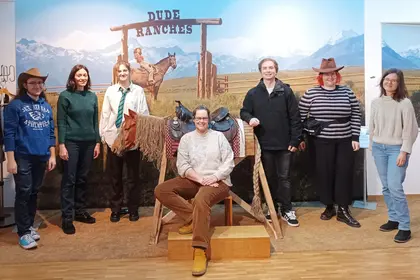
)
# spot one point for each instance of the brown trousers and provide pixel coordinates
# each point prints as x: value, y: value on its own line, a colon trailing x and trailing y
x: 175, y: 194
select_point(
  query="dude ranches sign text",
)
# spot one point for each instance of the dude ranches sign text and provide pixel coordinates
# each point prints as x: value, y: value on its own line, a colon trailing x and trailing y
x: 159, y: 26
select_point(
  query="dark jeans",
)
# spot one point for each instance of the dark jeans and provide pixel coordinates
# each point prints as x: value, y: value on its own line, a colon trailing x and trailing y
x: 131, y: 159
x: 28, y: 179
x: 277, y: 168
x: 334, y: 170
x: 73, y: 182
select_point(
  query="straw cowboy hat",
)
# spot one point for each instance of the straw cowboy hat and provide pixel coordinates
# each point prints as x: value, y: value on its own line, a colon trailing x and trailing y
x: 327, y: 66
x: 31, y: 73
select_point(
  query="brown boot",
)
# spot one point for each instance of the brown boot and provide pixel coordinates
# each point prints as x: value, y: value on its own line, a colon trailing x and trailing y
x: 186, y: 229
x: 200, y: 262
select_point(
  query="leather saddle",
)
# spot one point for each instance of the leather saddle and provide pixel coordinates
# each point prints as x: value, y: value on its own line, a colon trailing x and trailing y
x: 220, y: 120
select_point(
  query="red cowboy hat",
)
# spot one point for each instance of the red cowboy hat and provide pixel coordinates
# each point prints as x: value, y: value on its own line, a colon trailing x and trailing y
x: 327, y: 66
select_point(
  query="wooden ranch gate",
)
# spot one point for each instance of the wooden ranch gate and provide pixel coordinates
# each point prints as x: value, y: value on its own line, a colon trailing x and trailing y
x: 207, y: 71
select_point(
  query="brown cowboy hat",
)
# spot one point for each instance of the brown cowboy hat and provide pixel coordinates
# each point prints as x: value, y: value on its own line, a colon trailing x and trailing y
x: 31, y: 73
x: 327, y: 66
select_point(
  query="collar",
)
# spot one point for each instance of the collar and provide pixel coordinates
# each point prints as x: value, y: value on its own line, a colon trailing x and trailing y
x: 127, y: 89
x: 278, y: 86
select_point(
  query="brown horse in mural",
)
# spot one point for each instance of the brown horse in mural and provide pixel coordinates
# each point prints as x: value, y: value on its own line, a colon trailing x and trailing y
x: 139, y: 76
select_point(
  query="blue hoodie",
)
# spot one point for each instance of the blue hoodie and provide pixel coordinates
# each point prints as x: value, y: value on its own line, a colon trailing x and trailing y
x: 29, y: 127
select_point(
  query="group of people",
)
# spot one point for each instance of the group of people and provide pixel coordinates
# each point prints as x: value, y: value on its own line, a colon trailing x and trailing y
x: 205, y: 158
x: 330, y: 114
x: 30, y: 145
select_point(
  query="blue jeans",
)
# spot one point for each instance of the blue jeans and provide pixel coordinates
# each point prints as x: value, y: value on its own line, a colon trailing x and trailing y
x: 28, y: 179
x: 392, y: 177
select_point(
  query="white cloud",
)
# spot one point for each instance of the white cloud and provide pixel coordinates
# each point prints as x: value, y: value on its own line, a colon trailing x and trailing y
x: 80, y: 40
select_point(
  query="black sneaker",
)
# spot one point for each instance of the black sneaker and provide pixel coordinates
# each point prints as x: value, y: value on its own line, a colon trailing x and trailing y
x: 85, y: 217
x: 115, y: 217
x: 290, y: 218
x: 68, y: 227
x: 134, y: 217
x: 389, y: 226
x: 402, y: 236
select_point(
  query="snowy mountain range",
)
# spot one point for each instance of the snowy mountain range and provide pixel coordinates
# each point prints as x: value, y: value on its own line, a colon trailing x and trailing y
x: 347, y: 47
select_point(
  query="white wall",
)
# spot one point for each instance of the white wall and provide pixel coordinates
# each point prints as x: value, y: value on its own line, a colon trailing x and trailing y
x: 7, y: 58
x: 376, y: 13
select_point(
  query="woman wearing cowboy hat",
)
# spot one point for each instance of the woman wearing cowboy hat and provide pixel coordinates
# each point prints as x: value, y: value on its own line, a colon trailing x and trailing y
x: 337, y: 108
x: 30, y: 146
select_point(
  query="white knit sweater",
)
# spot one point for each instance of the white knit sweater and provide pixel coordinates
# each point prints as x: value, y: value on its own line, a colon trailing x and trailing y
x: 393, y: 123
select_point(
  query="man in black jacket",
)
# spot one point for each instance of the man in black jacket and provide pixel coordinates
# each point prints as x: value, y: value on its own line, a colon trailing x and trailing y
x: 271, y: 108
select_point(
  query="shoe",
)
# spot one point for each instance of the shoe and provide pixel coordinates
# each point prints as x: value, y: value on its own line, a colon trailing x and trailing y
x: 402, y: 236
x: 389, y: 226
x: 115, y: 217
x: 85, y: 217
x: 328, y: 213
x: 35, y: 235
x: 134, y: 216
x: 200, y: 262
x: 186, y: 229
x: 27, y: 242
x: 68, y: 227
x: 344, y: 215
x: 268, y: 215
x: 290, y: 218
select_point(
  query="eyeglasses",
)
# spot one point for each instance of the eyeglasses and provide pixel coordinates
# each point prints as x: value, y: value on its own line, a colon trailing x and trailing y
x: 201, y: 119
x: 391, y: 81
x: 36, y: 83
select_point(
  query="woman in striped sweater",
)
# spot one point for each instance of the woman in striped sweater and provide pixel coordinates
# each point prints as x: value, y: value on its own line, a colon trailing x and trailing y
x: 336, y: 143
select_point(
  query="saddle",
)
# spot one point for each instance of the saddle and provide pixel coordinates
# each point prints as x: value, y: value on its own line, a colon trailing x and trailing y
x: 220, y: 120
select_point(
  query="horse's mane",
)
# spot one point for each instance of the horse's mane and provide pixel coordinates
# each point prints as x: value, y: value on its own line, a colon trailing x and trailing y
x: 162, y: 60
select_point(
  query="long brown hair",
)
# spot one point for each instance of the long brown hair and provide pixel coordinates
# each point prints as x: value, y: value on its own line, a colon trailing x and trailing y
x: 401, y: 91
x: 71, y: 83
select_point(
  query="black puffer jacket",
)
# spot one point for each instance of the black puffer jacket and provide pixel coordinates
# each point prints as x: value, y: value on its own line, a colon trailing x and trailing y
x: 278, y: 113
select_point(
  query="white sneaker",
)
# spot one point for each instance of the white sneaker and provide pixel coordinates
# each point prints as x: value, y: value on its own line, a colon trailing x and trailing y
x: 35, y: 235
x: 27, y: 242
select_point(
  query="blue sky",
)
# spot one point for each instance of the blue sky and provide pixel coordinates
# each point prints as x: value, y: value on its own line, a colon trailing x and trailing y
x: 250, y: 27
x: 401, y: 37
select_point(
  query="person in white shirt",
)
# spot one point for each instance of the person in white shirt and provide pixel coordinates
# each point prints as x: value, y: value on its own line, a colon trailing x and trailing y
x: 118, y: 100
x: 204, y: 163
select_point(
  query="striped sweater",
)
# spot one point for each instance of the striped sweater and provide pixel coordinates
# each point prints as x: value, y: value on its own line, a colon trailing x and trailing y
x: 328, y: 105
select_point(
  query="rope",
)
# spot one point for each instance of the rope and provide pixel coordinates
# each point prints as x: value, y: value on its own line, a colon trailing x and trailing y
x: 256, y: 200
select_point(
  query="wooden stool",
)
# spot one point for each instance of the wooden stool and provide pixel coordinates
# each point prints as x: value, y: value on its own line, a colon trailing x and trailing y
x: 228, y: 211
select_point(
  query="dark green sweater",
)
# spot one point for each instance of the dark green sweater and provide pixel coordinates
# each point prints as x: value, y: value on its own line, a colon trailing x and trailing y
x: 77, y: 116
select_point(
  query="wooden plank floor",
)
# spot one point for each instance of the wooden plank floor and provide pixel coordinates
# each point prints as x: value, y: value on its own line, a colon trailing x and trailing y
x: 394, y: 263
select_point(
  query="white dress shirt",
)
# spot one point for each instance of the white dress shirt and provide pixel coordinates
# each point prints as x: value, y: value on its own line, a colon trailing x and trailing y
x: 135, y: 101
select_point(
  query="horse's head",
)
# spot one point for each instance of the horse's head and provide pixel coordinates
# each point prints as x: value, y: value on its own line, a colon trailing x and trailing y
x: 129, y: 129
x: 172, y: 60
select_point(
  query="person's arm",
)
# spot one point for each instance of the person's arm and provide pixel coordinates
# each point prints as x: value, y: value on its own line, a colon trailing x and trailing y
x: 355, y: 119
x: 142, y: 107
x: 226, y: 155
x: 105, y: 114
x: 247, y: 109
x: 62, y: 107
x: 304, y: 106
x: 11, y: 123
x: 295, y: 121
x: 410, y: 127
x: 95, y: 119
x: 52, y: 159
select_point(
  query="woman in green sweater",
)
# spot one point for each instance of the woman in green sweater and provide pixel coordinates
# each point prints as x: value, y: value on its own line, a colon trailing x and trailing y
x: 393, y: 129
x: 78, y: 136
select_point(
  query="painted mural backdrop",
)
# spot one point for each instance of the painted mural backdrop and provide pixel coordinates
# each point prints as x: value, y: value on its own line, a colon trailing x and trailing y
x: 401, y: 49
x: 194, y: 51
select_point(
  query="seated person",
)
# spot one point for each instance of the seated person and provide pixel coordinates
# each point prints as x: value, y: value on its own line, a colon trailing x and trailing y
x: 204, y: 163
